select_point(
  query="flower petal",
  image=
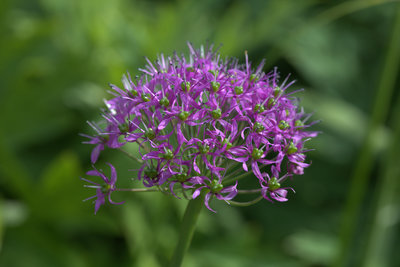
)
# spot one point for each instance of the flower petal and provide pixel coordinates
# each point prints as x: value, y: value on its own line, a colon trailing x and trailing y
x: 206, y: 202
x: 113, y: 177
x: 96, y: 152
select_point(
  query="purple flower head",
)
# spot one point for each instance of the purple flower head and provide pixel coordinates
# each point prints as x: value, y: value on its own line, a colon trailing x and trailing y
x: 201, y: 123
x: 103, y: 190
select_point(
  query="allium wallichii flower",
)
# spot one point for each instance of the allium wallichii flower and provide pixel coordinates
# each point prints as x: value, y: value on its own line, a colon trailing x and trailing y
x: 103, y: 190
x: 272, y: 186
x: 213, y: 188
x: 201, y: 121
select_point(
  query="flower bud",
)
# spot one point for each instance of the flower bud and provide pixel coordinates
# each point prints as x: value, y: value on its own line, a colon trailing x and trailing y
x: 291, y: 148
x: 213, y: 72
x: 146, y: 97
x: 299, y: 124
x: 150, y: 134
x: 216, y: 113
x: 259, y: 108
x: 164, y: 101
x: 105, y: 188
x: 134, y: 92
x: 215, y: 186
x: 253, y: 77
x: 258, y: 127
x: 185, y: 86
x: 257, y: 153
x: 238, y: 90
x: 215, y: 86
x: 273, y: 184
x: 228, y: 144
x: 277, y: 91
x: 204, y: 149
x: 181, y: 177
x: 283, y: 125
x: 271, y: 102
x: 168, y: 155
x: 183, y: 115
x: 151, y: 172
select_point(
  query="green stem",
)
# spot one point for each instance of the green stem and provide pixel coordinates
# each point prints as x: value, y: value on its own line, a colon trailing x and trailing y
x: 137, y: 189
x: 187, y: 229
x: 238, y: 168
x: 231, y: 179
x: 250, y: 191
x: 130, y: 155
x: 245, y: 204
x: 363, y: 167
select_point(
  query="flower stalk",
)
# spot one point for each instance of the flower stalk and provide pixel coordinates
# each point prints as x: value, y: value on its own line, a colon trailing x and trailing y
x: 187, y: 229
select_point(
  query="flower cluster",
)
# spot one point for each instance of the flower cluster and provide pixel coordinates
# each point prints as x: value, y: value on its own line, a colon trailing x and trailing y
x: 203, y: 123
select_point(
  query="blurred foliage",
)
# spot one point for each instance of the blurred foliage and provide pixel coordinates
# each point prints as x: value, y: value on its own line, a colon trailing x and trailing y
x: 56, y: 58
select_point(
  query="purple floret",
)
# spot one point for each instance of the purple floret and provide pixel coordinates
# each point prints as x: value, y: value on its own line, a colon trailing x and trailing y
x: 104, y: 189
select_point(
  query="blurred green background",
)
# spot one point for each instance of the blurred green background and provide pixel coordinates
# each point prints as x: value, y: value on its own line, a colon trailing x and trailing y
x: 56, y: 59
